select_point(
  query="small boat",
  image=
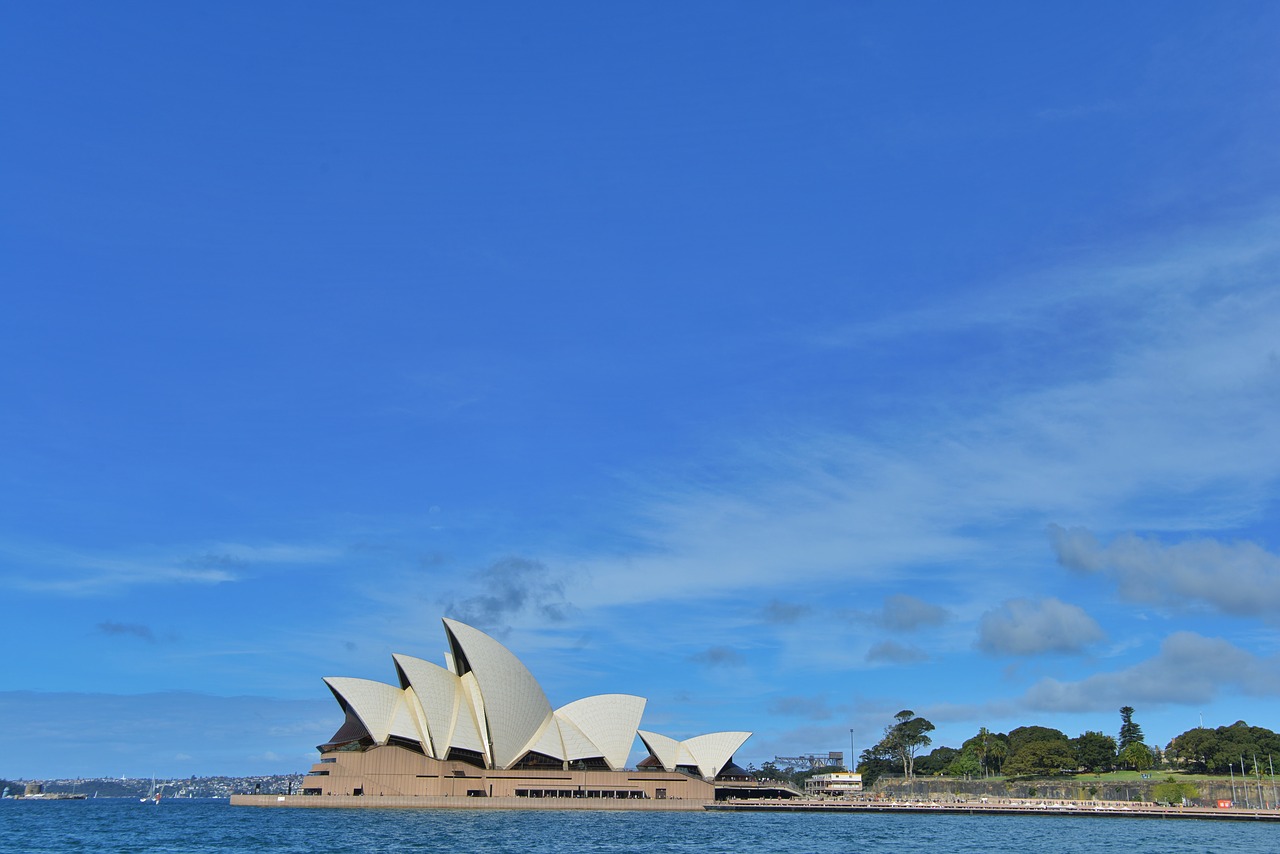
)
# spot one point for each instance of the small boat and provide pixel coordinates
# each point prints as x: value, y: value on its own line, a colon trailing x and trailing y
x: 153, y: 795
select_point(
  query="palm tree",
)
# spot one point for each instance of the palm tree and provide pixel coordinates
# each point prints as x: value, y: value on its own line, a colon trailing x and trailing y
x: 997, y: 751
x: 981, y: 746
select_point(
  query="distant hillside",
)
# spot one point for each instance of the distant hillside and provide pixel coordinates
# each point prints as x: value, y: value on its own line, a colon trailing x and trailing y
x: 180, y: 787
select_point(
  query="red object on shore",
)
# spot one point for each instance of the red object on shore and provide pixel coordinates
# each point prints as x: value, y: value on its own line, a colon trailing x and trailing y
x: 1225, y: 803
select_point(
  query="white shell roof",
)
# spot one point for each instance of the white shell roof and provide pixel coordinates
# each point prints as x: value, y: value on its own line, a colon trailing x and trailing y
x: 664, y: 748
x: 439, y: 695
x: 489, y: 703
x: 576, y: 744
x: 379, y: 706
x: 515, y: 708
x: 549, y: 742
x: 420, y: 722
x: 467, y: 734
x: 710, y: 752
x: 608, y: 721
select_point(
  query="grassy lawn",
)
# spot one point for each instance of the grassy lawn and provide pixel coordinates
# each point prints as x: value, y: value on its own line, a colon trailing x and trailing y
x: 1154, y: 777
x: 1128, y: 776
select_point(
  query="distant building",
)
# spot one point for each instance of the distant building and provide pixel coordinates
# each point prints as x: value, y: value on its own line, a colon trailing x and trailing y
x: 482, y: 727
x: 836, y: 784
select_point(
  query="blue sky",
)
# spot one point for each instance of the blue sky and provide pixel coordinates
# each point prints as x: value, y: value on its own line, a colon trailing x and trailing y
x: 785, y: 365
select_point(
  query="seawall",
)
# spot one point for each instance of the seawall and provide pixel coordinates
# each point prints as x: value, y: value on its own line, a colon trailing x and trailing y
x: 1009, y: 807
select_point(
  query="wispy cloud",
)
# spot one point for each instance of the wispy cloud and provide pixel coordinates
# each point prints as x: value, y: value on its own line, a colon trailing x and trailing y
x: 892, y: 652
x: 87, y: 575
x: 1241, y: 579
x: 814, y: 708
x: 137, y: 630
x: 785, y: 613
x: 906, y: 613
x: 58, y: 570
x: 512, y: 587
x: 1189, y: 669
x: 719, y: 656
x: 1175, y: 392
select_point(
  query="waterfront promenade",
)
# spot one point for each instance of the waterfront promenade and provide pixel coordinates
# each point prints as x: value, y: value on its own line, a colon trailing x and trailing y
x: 1012, y: 806
x: 414, y: 802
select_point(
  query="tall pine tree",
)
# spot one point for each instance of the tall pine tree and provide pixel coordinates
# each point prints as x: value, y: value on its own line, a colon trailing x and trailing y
x: 1130, y: 733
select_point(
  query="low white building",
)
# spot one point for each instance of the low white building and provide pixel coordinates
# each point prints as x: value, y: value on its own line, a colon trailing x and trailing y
x: 836, y: 784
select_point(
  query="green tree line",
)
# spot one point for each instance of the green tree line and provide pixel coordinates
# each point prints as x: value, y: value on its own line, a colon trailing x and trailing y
x: 1044, y: 751
x: 1223, y: 750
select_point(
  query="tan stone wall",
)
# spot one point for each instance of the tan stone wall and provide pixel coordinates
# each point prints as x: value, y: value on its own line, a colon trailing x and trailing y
x: 396, y: 772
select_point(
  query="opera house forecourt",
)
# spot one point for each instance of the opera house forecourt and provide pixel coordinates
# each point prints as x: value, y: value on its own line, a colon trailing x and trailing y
x: 479, y: 732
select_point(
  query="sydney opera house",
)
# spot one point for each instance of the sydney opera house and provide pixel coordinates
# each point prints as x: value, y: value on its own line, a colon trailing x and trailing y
x: 481, y: 727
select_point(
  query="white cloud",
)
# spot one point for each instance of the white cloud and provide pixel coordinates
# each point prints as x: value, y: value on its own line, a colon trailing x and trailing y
x: 1162, y: 411
x: 1190, y: 669
x: 1241, y: 579
x: 1026, y: 627
x: 64, y: 571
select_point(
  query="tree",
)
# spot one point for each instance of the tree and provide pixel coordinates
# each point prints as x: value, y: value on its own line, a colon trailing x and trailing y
x: 989, y: 748
x: 1212, y: 750
x: 769, y: 771
x: 903, y: 740
x: 997, y: 752
x: 1130, y: 733
x: 1038, y: 750
x: 1094, y: 751
x: 979, y: 746
x: 1041, y: 758
x: 965, y: 765
x: 1024, y: 735
x: 873, y: 764
x: 937, y: 761
x: 1173, y: 792
x: 1137, y: 756
x: 1193, y: 749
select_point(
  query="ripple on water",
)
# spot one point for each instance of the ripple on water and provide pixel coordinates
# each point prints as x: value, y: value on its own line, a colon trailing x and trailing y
x: 124, y: 825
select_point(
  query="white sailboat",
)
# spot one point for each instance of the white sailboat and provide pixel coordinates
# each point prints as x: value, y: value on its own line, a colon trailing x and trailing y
x: 153, y: 795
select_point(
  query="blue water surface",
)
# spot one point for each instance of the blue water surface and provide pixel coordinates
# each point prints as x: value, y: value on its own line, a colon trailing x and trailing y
x: 124, y: 825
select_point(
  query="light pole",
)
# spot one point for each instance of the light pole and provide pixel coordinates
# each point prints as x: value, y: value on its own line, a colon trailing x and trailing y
x: 1244, y: 782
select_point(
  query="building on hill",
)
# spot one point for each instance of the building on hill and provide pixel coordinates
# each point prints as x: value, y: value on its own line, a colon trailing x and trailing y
x: 838, y: 784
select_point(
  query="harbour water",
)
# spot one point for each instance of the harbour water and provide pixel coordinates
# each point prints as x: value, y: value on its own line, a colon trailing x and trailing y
x: 124, y: 825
